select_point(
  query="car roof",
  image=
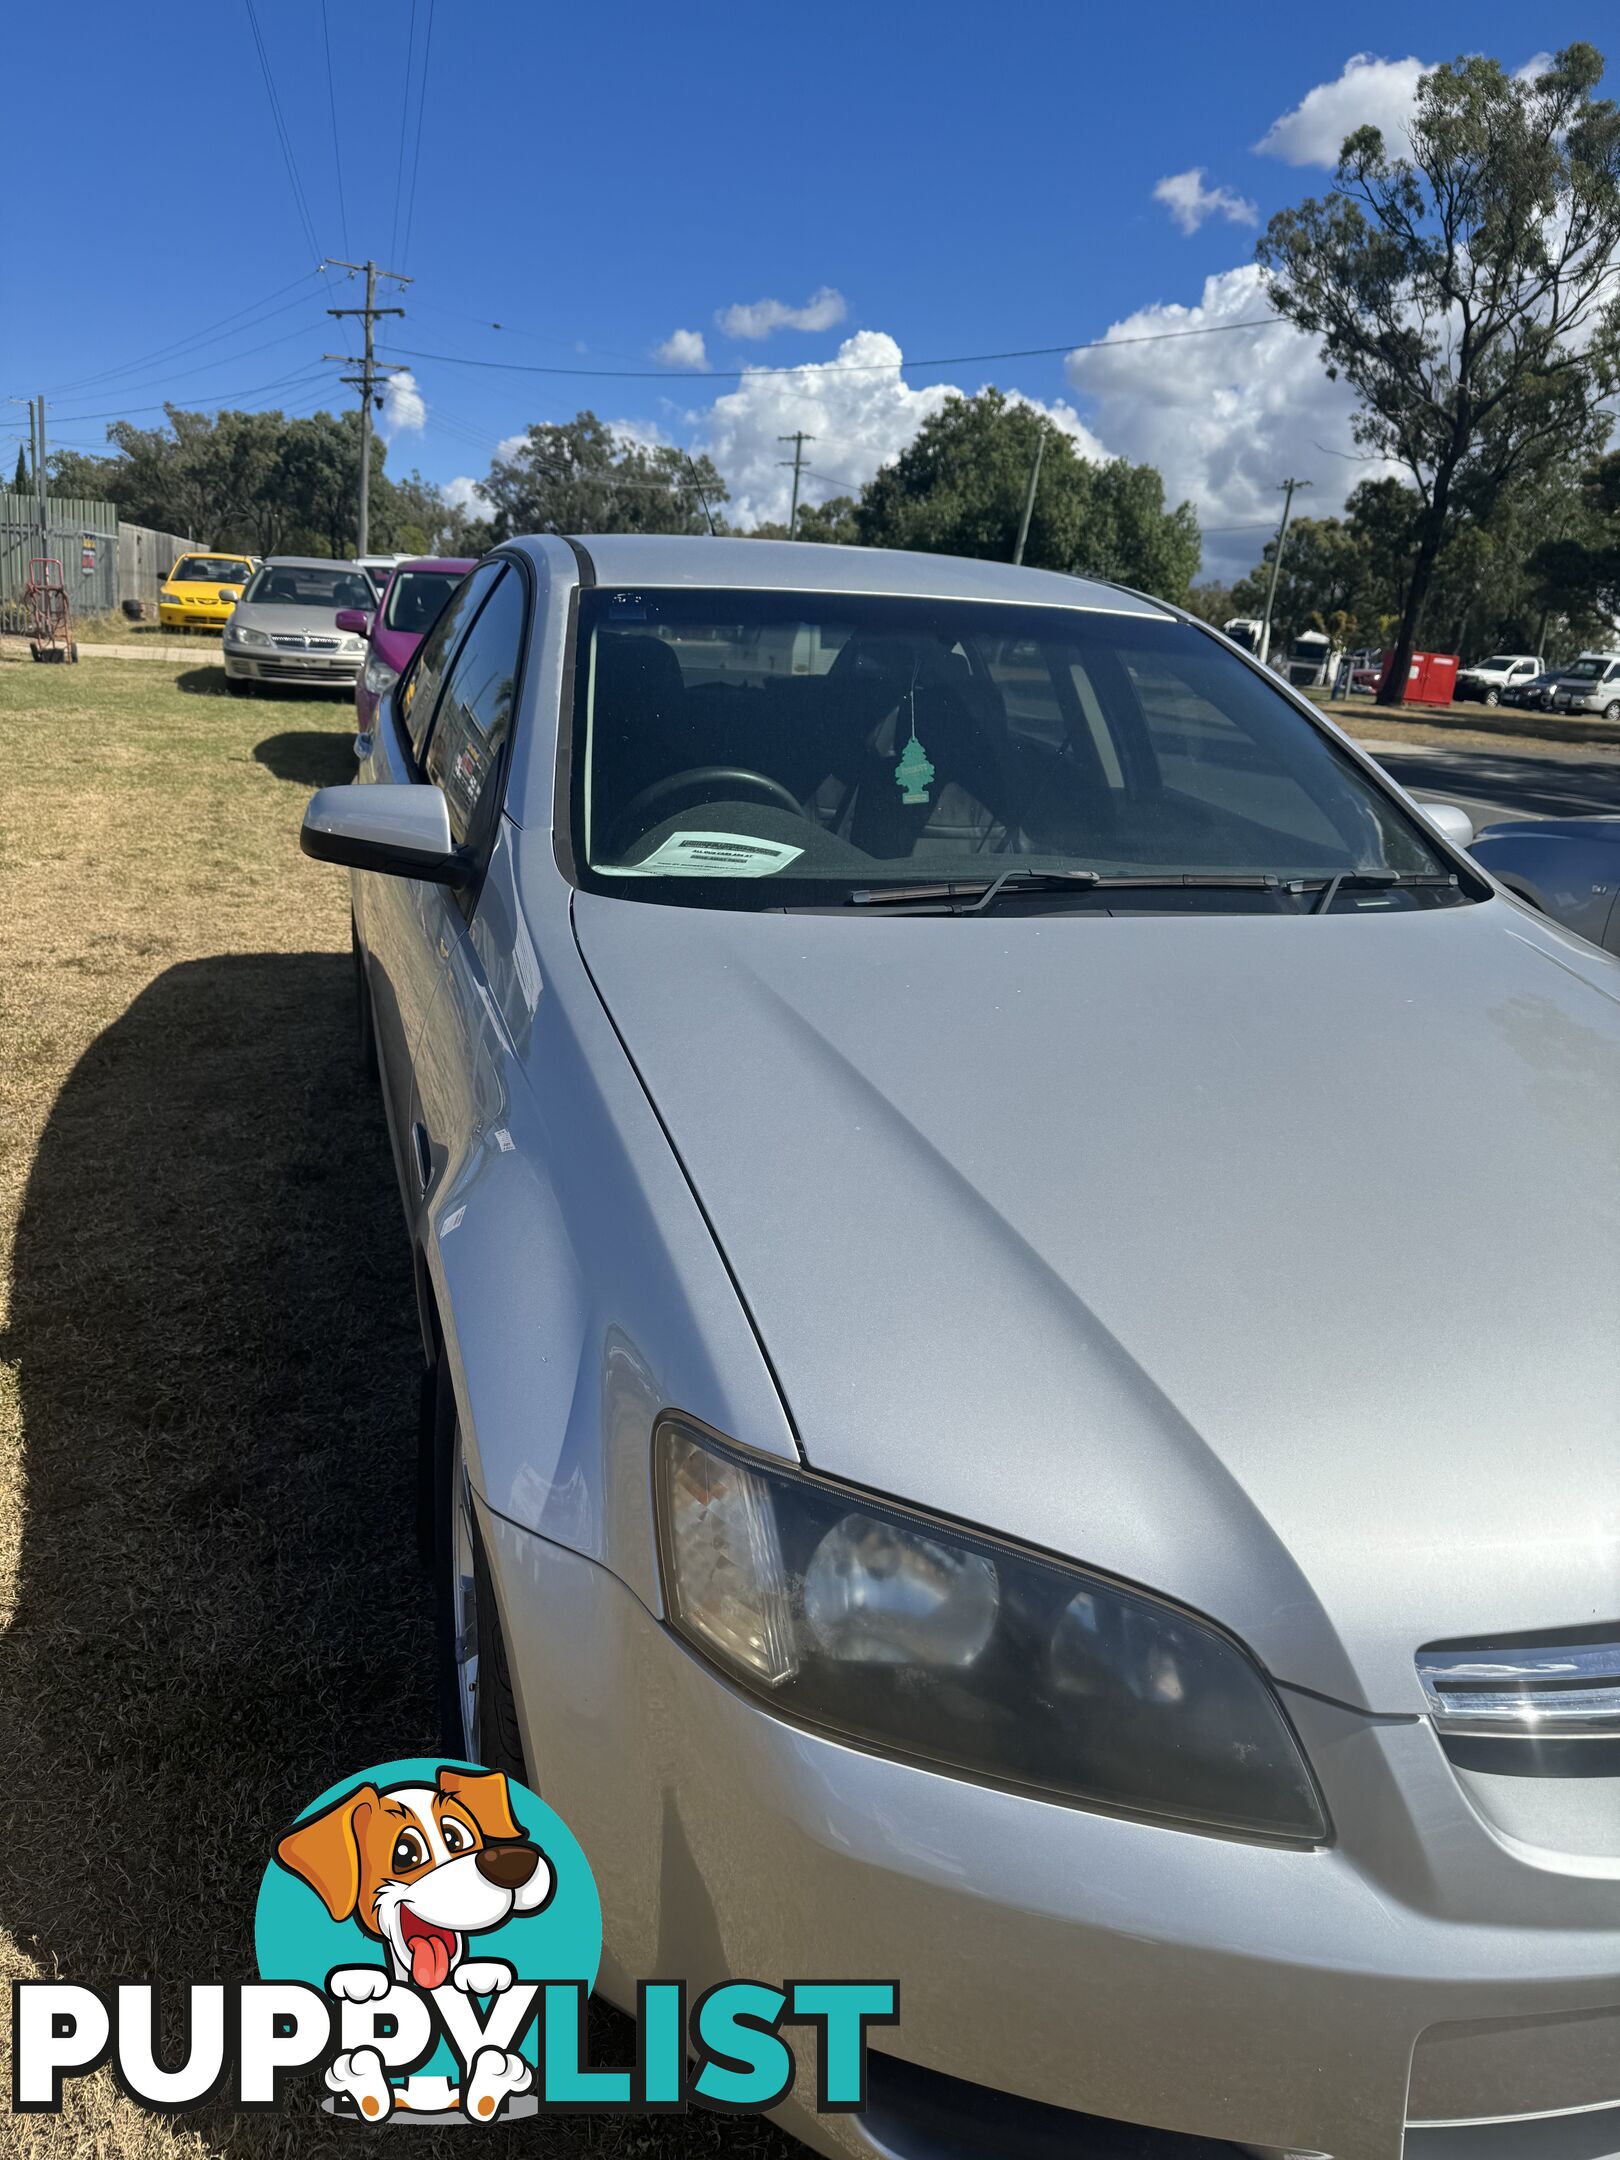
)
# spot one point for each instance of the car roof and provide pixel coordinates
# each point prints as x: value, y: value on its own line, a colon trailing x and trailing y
x: 807, y: 566
x: 312, y: 562
x: 437, y: 562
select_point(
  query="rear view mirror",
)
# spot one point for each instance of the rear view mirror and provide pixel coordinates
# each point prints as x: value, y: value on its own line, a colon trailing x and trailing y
x: 397, y: 828
x: 1456, y: 824
x: 355, y: 620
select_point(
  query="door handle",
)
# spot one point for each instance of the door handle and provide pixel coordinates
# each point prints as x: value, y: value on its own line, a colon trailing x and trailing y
x: 424, y: 1154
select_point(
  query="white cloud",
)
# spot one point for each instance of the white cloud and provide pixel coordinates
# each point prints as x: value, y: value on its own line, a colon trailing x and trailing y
x: 403, y: 407
x: 758, y: 318
x: 464, y: 493
x: 860, y: 409
x: 1189, y: 202
x: 1537, y: 64
x: 682, y: 348
x: 1225, y: 417
x: 1367, y: 92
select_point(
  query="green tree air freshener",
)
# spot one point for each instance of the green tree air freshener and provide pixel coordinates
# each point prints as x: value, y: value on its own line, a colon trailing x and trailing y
x: 913, y: 772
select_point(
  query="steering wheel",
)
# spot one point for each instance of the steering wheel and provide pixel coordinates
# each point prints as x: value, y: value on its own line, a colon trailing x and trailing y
x: 707, y: 781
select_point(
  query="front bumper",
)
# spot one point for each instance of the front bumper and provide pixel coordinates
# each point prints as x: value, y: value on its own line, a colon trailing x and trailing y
x: 328, y: 671
x: 192, y: 618
x: 1423, y: 1969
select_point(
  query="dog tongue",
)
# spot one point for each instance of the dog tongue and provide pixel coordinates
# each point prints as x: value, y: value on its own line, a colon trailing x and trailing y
x: 430, y: 1960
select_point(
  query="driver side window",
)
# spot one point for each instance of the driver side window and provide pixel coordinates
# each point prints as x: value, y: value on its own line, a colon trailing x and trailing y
x: 421, y: 689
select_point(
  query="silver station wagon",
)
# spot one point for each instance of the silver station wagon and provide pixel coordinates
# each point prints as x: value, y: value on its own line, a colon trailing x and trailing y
x: 1019, y: 1265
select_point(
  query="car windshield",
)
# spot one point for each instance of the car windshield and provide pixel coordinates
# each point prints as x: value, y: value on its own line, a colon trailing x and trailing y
x: 310, y: 585
x: 1499, y: 661
x: 210, y: 570
x: 416, y: 599
x: 746, y: 750
x: 1586, y: 670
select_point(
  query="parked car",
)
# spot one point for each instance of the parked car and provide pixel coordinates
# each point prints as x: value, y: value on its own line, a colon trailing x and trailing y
x: 1569, y: 868
x: 1536, y: 693
x: 412, y: 601
x: 284, y: 628
x: 379, y: 567
x: 1591, y: 685
x: 1017, y: 1260
x: 1489, y: 680
x: 201, y: 590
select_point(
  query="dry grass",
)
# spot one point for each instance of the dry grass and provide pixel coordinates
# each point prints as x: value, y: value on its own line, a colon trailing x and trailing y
x: 208, y: 1599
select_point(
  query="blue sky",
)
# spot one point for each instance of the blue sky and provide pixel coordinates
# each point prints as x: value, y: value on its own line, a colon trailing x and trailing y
x: 917, y: 182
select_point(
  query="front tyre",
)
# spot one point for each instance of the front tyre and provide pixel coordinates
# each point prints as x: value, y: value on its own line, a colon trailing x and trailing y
x: 477, y: 1704
x: 1492, y: 697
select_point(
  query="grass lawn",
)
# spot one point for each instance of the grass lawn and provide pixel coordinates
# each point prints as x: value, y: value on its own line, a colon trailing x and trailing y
x: 209, y: 1602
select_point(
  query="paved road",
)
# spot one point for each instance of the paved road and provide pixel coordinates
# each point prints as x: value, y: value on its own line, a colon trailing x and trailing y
x: 1495, y: 784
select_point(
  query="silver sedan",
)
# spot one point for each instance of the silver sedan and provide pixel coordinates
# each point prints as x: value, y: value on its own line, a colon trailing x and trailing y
x: 284, y: 629
x: 1018, y: 1271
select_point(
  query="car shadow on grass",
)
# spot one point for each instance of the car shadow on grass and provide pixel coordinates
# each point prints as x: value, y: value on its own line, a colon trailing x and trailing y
x: 313, y: 757
x: 219, y: 1611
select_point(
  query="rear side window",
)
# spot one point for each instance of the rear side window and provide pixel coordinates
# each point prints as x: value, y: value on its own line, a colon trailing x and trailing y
x: 421, y: 691
x: 475, y: 709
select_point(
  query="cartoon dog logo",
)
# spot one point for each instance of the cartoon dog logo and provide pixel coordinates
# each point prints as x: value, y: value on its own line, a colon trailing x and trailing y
x: 420, y: 1869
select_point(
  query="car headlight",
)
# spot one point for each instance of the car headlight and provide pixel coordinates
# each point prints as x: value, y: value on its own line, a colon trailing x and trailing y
x: 352, y: 644
x: 379, y: 676
x: 240, y: 634
x: 926, y: 1641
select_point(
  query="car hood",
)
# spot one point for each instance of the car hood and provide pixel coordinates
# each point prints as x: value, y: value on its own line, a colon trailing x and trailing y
x: 1273, y: 1263
x: 395, y: 648
x: 288, y: 621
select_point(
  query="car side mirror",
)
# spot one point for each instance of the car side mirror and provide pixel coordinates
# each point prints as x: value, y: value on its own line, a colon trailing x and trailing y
x: 225, y: 593
x: 396, y: 828
x: 1455, y: 823
x: 355, y: 620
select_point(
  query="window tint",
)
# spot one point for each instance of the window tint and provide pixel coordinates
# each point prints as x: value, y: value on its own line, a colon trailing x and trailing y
x: 421, y: 691
x: 475, y: 710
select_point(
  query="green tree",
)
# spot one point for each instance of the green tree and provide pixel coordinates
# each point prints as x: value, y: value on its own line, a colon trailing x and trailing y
x: 959, y: 489
x: 1324, y: 574
x: 1466, y: 292
x: 582, y: 477
x: 1575, y: 573
x: 21, y: 483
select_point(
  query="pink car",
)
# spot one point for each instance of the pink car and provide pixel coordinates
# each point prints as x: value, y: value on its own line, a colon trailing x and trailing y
x: 411, y: 603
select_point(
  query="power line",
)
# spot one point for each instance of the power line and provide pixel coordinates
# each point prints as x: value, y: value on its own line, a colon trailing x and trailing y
x: 195, y: 338
x: 399, y: 163
x: 217, y: 398
x: 841, y: 367
x: 204, y: 367
x: 331, y: 106
x: 416, y: 153
x: 281, y: 131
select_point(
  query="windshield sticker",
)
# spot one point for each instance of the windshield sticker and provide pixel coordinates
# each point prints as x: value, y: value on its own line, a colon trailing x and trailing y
x: 715, y: 854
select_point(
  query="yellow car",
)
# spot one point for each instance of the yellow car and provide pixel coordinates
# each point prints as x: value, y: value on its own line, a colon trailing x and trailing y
x: 203, y: 589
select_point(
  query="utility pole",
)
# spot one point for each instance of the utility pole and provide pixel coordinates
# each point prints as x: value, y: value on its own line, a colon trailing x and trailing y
x: 365, y: 381
x: 1034, y: 483
x: 39, y: 473
x: 1288, y: 487
x: 798, y: 439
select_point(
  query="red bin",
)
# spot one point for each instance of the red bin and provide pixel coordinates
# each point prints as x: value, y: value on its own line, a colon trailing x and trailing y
x: 1430, y: 680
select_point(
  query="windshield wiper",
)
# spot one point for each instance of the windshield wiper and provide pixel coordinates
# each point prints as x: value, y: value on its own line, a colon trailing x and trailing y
x: 955, y: 897
x: 1371, y: 881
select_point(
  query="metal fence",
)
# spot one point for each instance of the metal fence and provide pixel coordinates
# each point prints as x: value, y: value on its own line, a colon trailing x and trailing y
x: 145, y: 558
x: 82, y: 535
x: 103, y: 561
